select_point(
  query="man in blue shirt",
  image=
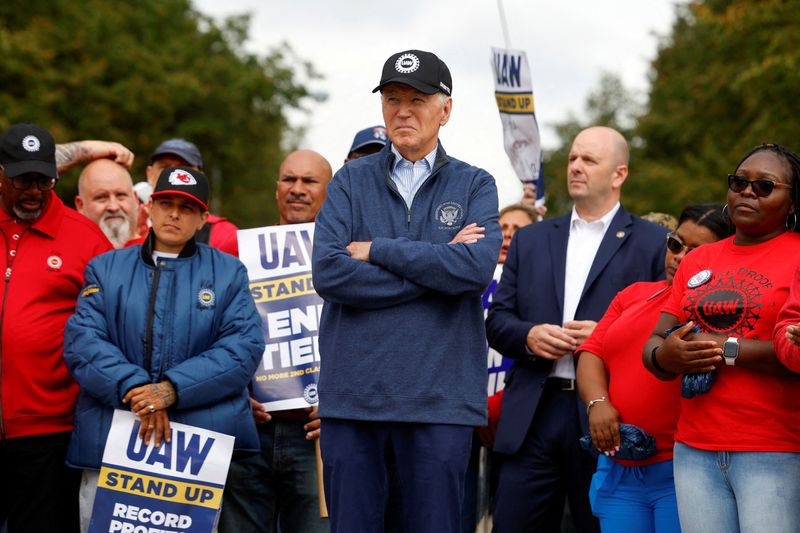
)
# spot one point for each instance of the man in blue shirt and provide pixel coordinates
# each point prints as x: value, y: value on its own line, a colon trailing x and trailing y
x: 404, y: 246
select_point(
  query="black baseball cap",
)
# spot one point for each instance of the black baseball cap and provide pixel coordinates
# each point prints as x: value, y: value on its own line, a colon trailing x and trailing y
x: 182, y: 148
x: 28, y: 148
x: 421, y: 70
x: 183, y: 181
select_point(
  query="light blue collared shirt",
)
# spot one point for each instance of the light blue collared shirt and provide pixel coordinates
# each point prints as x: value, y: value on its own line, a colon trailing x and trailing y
x: 408, y: 176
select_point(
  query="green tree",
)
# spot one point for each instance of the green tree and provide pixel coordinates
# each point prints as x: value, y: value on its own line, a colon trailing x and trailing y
x: 610, y: 104
x: 141, y: 72
x: 724, y: 81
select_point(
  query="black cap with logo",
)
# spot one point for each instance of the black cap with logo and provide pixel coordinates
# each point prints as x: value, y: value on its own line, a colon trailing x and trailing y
x: 28, y: 148
x: 421, y: 70
x: 183, y: 181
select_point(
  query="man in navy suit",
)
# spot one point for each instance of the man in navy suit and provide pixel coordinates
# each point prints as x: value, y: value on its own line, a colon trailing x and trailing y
x: 558, y: 279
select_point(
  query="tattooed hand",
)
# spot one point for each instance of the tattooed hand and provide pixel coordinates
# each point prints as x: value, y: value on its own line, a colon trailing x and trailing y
x: 77, y: 153
x: 150, y: 398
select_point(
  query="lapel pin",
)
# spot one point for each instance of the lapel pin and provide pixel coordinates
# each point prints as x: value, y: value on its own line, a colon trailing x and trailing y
x: 620, y: 234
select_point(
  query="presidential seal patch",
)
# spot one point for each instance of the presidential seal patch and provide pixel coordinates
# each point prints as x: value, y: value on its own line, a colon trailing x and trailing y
x: 310, y: 394
x: 449, y: 214
x: 206, y: 298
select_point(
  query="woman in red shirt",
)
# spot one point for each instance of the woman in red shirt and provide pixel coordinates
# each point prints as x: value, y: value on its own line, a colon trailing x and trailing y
x: 737, y: 450
x: 637, y: 495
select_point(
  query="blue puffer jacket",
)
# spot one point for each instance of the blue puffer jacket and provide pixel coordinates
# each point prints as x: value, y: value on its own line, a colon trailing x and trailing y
x: 204, y: 333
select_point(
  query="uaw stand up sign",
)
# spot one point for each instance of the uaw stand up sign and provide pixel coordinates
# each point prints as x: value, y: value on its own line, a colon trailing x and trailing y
x: 278, y: 261
x: 176, y: 487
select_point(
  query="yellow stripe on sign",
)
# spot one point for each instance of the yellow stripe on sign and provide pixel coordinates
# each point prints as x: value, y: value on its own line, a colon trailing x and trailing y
x: 159, y: 488
x: 280, y: 289
x: 514, y: 102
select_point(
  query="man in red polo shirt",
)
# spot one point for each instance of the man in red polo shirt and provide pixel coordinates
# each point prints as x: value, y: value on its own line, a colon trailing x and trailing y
x: 45, y: 248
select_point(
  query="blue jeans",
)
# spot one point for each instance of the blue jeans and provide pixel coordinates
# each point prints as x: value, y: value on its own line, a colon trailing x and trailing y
x: 275, y: 490
x: 634, y: 498
x: 747, y: 492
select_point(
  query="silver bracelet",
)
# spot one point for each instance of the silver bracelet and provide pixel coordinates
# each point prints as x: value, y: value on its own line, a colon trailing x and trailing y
x: 591, y: 403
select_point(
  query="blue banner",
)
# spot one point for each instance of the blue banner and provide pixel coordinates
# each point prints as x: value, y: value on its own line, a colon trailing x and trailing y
x: 496, y: 364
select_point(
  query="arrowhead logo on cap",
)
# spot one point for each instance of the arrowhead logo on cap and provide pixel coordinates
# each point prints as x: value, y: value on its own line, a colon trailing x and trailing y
x: 181, y: 177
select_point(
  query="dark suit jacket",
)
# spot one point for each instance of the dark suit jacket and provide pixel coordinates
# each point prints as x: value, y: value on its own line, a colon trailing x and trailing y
x: 531, y: 292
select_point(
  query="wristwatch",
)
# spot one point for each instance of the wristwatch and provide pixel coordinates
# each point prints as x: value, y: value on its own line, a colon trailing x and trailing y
x: 730, y: 350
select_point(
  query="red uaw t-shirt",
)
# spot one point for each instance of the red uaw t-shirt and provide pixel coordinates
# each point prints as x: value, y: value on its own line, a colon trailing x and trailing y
x: 641, y: 399
x: 745, y: 410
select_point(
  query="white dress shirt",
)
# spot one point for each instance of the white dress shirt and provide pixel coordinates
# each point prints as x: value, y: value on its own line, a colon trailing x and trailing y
x: 584, y: 241
x: 409, y: 176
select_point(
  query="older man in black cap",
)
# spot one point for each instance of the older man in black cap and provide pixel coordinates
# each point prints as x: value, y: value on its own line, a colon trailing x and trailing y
x: 218, y: 231
x: 404, y: 246
x: 46, y: 248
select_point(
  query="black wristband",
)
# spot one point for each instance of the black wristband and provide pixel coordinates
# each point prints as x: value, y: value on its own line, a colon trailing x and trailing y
x: 654, y: 362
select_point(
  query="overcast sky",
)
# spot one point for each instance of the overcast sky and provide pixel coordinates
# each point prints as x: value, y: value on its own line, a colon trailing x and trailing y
x: 569, y: 44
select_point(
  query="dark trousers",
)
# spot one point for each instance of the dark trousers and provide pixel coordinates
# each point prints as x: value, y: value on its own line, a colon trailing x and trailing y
x: 39, y: 492
x: 549, y: 468
x: 431, y: 462
x: 275, y: 490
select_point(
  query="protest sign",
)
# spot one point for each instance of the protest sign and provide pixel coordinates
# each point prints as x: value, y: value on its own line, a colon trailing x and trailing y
x: 278, y: 261
x: 176, y: 487
x: 496, y: 364
x: 514, y: 96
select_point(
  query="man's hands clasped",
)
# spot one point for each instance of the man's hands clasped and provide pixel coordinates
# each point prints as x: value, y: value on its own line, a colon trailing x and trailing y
x: 150, y: 403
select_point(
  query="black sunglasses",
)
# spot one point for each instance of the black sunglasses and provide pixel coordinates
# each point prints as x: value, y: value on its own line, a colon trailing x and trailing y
x: 675, y: 245
x: 22, y: 183
x: 761, y: 187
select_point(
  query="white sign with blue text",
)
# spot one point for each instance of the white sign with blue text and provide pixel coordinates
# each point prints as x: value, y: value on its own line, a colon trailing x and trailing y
x: 278, y: 261
x: 176, y: 487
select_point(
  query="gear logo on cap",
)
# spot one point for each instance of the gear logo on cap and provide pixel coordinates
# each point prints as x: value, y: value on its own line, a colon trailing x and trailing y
x: 31, y: 143
x: 406, y: 64
x: 181, y: 177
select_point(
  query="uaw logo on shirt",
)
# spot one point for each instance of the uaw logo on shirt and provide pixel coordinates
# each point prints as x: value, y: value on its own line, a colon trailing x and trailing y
x: 406, y: 64
x: 730, y: 303
x: 449, y: 214
x: 206, y: 298
x: 181, y: 177
x: 54, y: 262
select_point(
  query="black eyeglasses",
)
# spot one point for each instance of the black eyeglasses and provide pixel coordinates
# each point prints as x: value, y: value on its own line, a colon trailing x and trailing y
x: 23, y: 183
x: 675, y: 245
x: 761, y: 187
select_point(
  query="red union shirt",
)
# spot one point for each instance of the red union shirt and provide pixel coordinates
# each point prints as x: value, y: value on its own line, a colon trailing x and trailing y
x: 641, y: 399
x: 42, y: 273
x: 737, y: 291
